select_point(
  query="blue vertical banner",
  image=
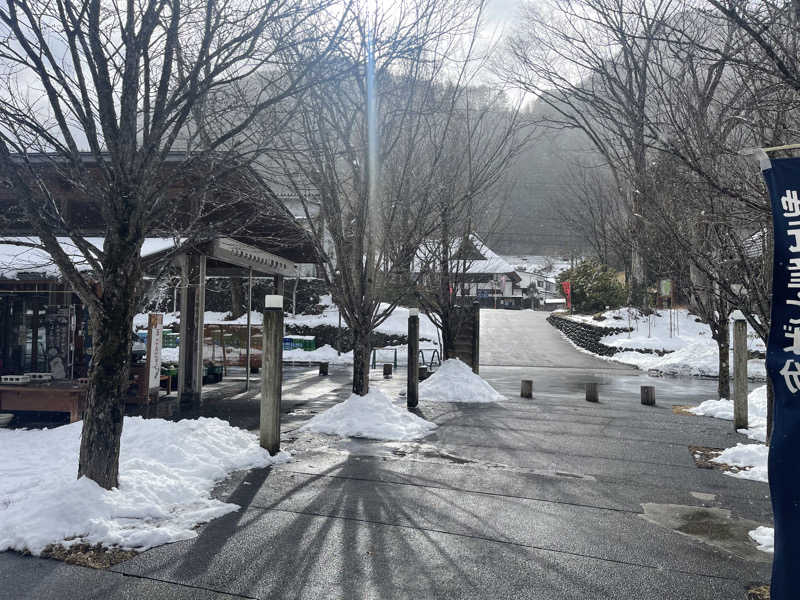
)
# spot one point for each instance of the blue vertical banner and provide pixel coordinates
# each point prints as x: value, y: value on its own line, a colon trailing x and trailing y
x: 783, y: 366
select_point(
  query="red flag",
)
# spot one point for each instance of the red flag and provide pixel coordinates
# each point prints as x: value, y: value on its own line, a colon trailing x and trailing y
x: 567, y: 292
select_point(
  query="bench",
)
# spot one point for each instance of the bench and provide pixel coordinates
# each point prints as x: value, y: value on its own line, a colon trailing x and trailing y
x: 59, y: 396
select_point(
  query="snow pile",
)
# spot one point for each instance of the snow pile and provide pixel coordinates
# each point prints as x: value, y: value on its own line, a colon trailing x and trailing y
x: 751, y: 458
x: 170, y: 355
x: 371, y: 416
x: 764, y: 537
x: 167, y: 471
x: 698, y: 359
x: 454, y: 381
x: 756, y: 412
x: 326, y: 353
x: 691, y: 349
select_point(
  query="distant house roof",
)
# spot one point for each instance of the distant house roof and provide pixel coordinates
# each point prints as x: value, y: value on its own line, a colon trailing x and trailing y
x: 469, y: 255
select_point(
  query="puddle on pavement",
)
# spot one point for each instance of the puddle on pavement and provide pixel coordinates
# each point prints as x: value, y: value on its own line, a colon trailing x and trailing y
x: 713, y: 526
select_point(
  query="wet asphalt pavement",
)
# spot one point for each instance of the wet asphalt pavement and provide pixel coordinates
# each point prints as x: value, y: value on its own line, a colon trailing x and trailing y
x: 543, y: 498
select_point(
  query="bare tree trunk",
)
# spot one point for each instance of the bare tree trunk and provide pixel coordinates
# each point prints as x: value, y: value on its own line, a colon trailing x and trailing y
x: 237, y: 297
x: 110, y: 370
x: 723, y: 344
x: 361, y: 351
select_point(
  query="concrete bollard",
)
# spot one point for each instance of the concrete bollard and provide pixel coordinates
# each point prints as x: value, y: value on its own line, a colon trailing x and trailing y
x: 387, y: 370
x: 648, y: 394
x: 323, y: 368
x: 526, y: 390
x: 591, y: 393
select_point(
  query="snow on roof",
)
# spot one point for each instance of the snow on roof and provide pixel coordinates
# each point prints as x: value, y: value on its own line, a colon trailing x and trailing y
x: 493, y: 263
x: 549, y: 266
x: 16, y: 259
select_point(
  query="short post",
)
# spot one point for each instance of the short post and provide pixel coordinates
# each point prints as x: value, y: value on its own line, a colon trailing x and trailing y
x: 527, y: 388
x: 740, y: 357
x: 412, y: 381
x: 387, y: 370
x: 272, y: 374
x: 323, y: 369
x: 591, y: 393
x: 476, y: 335
x: 648, y: 394
x: 423, y: 372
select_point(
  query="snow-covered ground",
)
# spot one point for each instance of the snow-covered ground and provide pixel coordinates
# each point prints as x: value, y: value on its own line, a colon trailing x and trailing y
x: 373, y: 416
x: 692, y: 351
x: 326, y: 353
x: 756, y: 412
x: 167, y: 471
x: 750, y: 458
x: 454, y: 381
x: 395, y: 324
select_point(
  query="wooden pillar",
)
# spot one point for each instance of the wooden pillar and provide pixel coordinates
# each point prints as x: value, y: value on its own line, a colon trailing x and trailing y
x: 412, y: 381
x: 740, y: 356
x: 193, y: 300
x: 249, y: 329
x: 272, y: 374
x: 278, y: 281
x: 476, y: 336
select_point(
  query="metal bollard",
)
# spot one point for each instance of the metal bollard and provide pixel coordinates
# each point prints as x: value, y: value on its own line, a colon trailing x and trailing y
x: 526, y: 390
x: 648, y: 394
x: 591, y: 393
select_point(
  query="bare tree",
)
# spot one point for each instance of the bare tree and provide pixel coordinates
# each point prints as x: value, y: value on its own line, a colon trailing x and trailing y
x: 486, y: 135
x: 589, y: 62
x: 106, y: 93
x: 370, y: 145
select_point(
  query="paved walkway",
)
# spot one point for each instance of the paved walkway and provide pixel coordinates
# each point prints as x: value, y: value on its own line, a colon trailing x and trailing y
x: 549, y: 498
x: 525, y: 338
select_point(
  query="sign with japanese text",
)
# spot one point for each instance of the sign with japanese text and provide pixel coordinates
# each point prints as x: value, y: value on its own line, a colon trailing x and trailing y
x: 155, y: 331
x: 565, y: 285
x: 783, y: 366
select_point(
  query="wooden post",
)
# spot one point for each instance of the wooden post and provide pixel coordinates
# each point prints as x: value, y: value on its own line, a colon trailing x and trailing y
x: 387, y: 370
x: 648, y: 395
x: 249, y: 330
x: 193, y: 299
x: 412, y: 381
x: 526, y: 390
x: 740, y: 356
x: 271, y: 374
x: 323, y: 368
x: 476, y: 335
x: 591, y: 393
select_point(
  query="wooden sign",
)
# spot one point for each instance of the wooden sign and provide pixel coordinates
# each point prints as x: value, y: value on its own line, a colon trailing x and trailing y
x: 155, y: 331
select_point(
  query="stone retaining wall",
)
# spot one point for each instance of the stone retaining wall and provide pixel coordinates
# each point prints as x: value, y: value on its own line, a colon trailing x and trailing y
x: 587, y: 336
